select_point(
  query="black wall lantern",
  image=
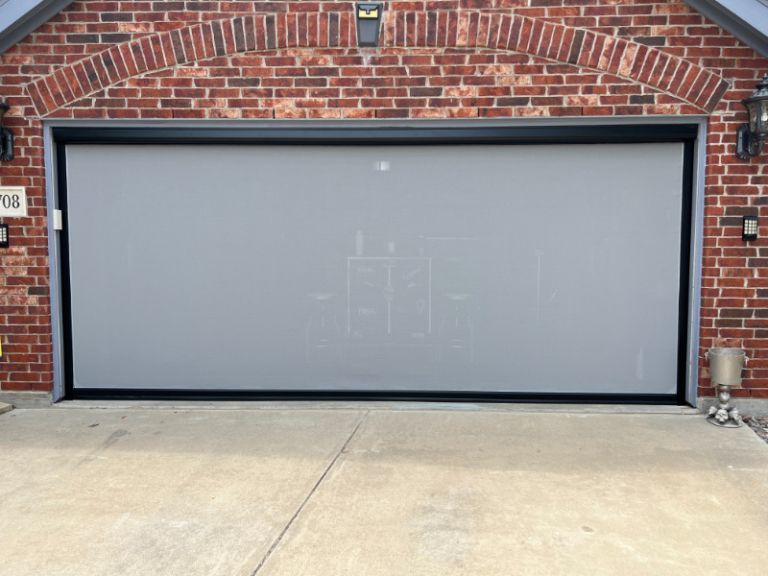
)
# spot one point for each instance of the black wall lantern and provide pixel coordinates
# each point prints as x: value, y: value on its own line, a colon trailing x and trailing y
x: 751, y: 136
x: 368, y: 20
x: 6, y: 136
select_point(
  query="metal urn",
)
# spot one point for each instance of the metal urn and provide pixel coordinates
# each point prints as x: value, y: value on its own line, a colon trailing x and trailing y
x: 725, y: 367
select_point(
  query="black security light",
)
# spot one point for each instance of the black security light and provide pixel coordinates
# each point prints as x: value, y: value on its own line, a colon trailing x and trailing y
x: 751, y: 135
x: 368, y: 20
x: 749, y: 228
x: 6, y: 136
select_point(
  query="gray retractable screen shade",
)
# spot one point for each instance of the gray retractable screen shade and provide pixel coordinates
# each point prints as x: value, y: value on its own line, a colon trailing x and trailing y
x: 457, y: 268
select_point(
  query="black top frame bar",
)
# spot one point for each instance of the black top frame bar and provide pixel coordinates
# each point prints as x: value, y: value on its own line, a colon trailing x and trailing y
x: 606, y: 134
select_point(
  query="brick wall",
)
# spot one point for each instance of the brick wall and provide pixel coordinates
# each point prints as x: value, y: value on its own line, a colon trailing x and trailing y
x: 438, y: 59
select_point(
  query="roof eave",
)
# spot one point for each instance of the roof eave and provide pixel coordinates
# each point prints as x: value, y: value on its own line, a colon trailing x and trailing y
x: 737, y: 18
x: 20, y: 19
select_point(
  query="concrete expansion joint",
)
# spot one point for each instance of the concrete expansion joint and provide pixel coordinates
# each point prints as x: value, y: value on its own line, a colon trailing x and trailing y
x: 315, y: 487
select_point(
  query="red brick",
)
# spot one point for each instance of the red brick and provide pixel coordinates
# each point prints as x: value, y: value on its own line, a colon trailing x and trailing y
x: 239, y: 68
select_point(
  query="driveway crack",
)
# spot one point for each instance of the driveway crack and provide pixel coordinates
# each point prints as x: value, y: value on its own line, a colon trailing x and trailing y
x: 307, y: 498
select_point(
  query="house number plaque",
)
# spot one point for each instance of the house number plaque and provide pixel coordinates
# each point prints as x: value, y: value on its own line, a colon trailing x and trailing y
x: 13, y: 201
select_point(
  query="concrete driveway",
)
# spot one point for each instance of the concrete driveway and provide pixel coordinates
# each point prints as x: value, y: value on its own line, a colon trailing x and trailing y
x: 367, y: 489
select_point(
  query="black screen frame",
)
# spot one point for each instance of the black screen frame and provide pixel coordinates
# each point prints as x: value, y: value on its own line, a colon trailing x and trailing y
x: 685, y: 133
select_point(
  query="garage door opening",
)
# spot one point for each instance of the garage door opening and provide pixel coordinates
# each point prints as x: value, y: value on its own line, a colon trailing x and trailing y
x: 496, y: 263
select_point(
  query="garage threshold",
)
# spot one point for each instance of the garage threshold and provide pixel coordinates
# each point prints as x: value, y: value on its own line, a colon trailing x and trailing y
x: 521, y: 407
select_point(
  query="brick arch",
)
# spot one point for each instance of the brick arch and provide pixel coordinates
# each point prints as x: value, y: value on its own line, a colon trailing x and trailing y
x: 416, y: 29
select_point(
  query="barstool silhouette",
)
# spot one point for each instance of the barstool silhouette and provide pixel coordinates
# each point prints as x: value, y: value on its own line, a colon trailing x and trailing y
x: 457, y: 331
x: 322, y: 332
